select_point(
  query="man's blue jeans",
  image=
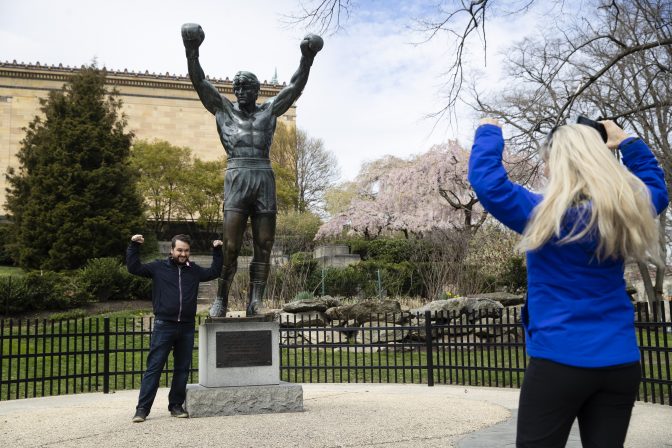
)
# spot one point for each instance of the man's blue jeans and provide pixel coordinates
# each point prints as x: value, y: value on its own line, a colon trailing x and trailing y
x: 167, y: 336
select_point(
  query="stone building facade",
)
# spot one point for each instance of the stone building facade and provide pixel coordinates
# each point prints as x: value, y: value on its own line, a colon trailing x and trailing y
x: 157, y: 106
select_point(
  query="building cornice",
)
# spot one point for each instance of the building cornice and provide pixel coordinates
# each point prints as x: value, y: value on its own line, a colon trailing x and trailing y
x: 123, y: 78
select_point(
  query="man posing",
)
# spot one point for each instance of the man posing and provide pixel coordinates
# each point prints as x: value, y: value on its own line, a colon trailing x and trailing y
x: 246, y: 131
x: 174, y: 293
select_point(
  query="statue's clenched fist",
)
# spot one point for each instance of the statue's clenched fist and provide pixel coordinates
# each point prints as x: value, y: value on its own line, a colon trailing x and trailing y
x: 192, y: 36
x: 311, y: 45
x: 138, y: 239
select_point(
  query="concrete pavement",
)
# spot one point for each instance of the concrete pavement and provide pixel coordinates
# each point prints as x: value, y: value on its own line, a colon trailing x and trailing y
x: 336, y: 415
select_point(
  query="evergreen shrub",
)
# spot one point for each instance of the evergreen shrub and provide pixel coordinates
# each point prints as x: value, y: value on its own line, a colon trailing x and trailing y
x: 6, y: 258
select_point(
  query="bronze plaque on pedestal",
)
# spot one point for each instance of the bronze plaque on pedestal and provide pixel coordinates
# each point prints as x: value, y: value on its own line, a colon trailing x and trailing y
x: 243, y: 348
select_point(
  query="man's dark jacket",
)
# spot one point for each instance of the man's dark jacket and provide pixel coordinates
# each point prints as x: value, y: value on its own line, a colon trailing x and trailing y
x: 174, y: 287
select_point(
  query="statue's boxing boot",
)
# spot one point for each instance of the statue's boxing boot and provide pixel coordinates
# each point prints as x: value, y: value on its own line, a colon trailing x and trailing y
x: 221, y: 303
x: 258, y: 276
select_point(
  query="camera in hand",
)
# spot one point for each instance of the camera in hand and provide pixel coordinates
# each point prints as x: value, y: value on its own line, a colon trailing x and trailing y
x: 599, y: 127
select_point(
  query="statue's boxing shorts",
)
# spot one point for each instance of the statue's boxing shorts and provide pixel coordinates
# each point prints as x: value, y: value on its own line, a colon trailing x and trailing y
x: 249, y: 186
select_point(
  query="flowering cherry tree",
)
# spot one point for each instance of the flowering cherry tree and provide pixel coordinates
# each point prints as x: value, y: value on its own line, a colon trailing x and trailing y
x: 427, y: 192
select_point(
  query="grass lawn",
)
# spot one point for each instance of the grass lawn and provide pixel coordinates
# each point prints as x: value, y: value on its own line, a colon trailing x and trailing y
x: 41, y: 357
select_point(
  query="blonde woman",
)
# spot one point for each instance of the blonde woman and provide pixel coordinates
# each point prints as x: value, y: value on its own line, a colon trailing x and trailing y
x: 579, y: 323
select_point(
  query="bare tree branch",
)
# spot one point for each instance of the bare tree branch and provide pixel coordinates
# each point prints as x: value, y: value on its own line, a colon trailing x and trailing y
x: 603, y: 70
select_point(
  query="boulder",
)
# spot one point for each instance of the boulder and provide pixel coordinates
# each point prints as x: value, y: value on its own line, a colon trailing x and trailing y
x: 453, y: 308
x: 461, y: 343
x: 419, y: 331
x: 481, y: 308
x: 320, y: 304
x: 291, y: 338
x: 324, y: 337
x: 368, y: 310
x: 505, y: 298
x: 511, y: 338
x: 489, y: 328
x: 447, y: 307
x: 371, y: 333
x: 459, y: 326
x: 308, y: 319
x: 513, y: 314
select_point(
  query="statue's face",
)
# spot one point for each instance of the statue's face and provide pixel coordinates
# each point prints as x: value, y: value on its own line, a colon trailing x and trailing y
x: 246, y: 93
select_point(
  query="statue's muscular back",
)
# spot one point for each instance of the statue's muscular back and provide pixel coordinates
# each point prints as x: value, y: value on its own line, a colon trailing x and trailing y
x: 244, y: 134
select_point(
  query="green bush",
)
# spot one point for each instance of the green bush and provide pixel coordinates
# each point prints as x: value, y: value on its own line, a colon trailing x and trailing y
x: 138, y: 287
x: 108, y: 279
x: 69, y: 291
x: 104, y: 279
x: 6, y: 258
x: 514, y: 276
x: 357, y: 246
x: 387, y: 250
x: 391, y: 250
x: 361, y: 279
x: 301, y: 258
x: 99, y: 279
x: 13, y: 295
x: 345, y: 282
x: 41, y: 291
x: 395, y: 279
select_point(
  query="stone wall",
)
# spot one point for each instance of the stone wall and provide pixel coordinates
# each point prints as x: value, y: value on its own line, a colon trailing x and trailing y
x: 163, y: 107
x: 335, y: 256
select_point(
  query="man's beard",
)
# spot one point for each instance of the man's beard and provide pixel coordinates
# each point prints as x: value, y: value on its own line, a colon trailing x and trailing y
x: 181, y: 260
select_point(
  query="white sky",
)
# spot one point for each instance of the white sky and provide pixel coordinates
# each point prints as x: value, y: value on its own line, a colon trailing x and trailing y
x: 369, y: 91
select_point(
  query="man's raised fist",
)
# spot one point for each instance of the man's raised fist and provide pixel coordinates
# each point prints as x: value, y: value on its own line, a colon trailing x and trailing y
x: 138, y: 239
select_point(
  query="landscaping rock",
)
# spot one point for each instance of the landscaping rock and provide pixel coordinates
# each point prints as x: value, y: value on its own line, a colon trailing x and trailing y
x: 420, y: 333
x: 370, y: 333
x: 325, y: 337
x: 368, y: 310
x: 505, y: 298
x: 462, y: 343
x: 452, y: 308
x: 309, y: 319
x: 320, y: 304
x: 489, y: 328
x: 447, y: 307
x: 461, y: 325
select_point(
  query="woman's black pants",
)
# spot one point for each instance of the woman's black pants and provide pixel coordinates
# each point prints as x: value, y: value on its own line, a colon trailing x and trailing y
x: 553, y: 395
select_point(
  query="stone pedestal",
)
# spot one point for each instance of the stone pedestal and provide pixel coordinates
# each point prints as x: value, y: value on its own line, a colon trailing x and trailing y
x: 209, y: 402
x: 239, y: 370
x: 238, y: 344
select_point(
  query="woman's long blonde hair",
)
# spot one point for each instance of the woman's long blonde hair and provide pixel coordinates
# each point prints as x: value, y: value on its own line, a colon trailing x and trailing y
x: 582, y: 170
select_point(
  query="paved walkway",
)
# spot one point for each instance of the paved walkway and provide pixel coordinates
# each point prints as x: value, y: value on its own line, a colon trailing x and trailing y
x: 336, y: 415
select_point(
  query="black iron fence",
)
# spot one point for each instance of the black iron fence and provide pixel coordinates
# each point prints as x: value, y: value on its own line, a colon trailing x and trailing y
x: 41, y: 358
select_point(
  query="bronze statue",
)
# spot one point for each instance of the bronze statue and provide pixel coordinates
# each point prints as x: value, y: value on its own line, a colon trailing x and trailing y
x: 246, y: 131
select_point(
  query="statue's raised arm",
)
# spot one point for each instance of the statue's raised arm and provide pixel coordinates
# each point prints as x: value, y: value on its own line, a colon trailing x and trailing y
x: 193, y: 36
x: 310, y: 46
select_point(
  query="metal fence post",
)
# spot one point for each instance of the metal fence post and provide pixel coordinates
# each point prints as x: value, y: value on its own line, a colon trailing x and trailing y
x: 428, y: 343
x: 106, y: 355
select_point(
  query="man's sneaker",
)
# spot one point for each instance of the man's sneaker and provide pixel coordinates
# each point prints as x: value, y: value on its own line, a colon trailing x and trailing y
x: 178, y: 411
x: 140, y: 415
